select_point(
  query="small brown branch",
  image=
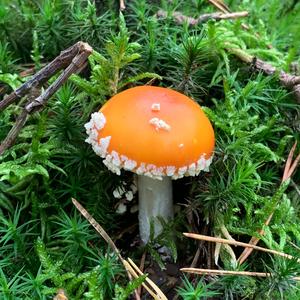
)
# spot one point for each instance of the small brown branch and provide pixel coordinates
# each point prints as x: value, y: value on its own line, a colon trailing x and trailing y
x: 289, y: 162
x: 130, y: 267
x: 59, y: 63
x: 98, y: 228
x: 159, y: 293
x: 122, y: 5
x: 180, y: 18
x: 225, y: 272
x: 287, y: 80
x: 76, y: 63
x: 74, y: 58
x: 142, y: 266
x: 236, y: 243
x: 220, y: 5
x: 14, y: 132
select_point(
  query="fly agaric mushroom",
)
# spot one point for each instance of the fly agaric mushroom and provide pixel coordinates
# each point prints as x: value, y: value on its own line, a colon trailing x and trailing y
x: 160, y: 135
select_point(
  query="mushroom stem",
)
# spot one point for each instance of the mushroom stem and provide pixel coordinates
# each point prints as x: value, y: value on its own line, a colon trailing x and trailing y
x: 155, y: 199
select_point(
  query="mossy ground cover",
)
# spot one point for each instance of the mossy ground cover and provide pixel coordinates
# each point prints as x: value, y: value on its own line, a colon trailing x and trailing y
x: 47, y: 245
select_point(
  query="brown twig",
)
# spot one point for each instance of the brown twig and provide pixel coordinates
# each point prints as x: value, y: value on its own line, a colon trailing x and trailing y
x: 59, y: 63
x: 130, y: 267
x: 225, y: 272
x: 122, y: 5
x: 74, y: 58
x: 27, y: 72
x: 149, y: 281
x: 220, y: 5
x: 142, y: 265
x: 236, y: 243
x: 287, y: 80
x: 180, y: 18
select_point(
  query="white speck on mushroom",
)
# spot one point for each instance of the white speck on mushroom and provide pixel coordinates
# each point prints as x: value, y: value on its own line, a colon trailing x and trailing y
x: 115, y: 158
x: 104, y: 143
x: 192, y: 170
x: 115, y: 162
x: 158, y: 171
x: 129, y: 164
x: 201, y: 163
x: 182, y: 170
x: 160, y: 124
x: 180, y: 145
x: 108, y: 161
x: 97, y: 121
x: 141, y: 169
x: 208, y: 162
x: 155, y: 107
x: 170, y: 170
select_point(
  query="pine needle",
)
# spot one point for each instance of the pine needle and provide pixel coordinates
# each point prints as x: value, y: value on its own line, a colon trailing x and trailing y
x: 225, y: 272
x: 131, y: 268
x: 236, y: 243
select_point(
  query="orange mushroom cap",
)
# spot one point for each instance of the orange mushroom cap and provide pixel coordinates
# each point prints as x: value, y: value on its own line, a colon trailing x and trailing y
x: 152, y: 131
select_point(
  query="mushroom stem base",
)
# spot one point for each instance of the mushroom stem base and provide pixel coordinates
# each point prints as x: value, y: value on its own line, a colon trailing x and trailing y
x: 155, y: 199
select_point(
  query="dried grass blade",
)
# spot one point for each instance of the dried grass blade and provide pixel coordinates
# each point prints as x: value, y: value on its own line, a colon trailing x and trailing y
x: 149, y: 281
x: 288, y: 163
x: 294, y: 166
x: 225, y: 272
x: 130, y: 271
x: 97, y: 226
x: 236, y: 243
x: 220, y: 5
x: 134, y: 274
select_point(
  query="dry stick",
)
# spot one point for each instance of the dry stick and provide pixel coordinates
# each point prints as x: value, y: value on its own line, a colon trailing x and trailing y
x: 134, y: 274
x: 287, y: 80
x: 149, y: 281
x: 220, y: 5
x: 142, y: 265
x: 294, y: 166
x: 288, y: 162
x: 180, y: 18
x: 131, y: 270
x: 75, y: 65
x: 98, y: 228
x: 236, y: 243
x: 295, y: 246
x: 122, y: 5
x: 225, y: 272
x: 14, y: 132
x: 102, y: 232
x: 59, y: 63
x: 288, y: 171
